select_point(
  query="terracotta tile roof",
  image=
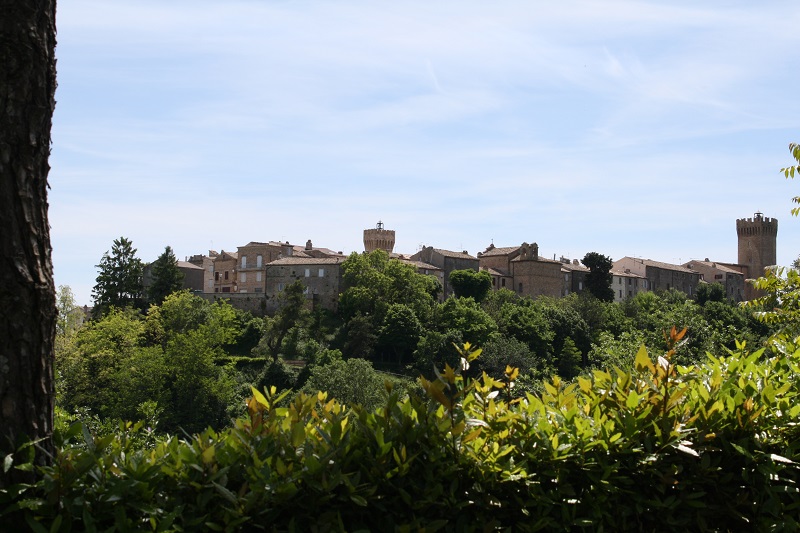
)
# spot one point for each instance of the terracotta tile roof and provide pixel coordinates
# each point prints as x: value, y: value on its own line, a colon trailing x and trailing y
x: 418, y: 264
x: 623, y: 274
x: 496, y: 272
x: 186, y: 264
x: 570, y: 267
x: 500, y: 251
x: 307, y: 261
x: 713, y: 264
x: 449, y: 253
x: 668, y: 266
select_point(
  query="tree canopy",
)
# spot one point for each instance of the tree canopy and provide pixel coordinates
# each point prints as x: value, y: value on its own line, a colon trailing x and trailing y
x: 471, y: 284
x: 119, y: 281
x: 166, y: 277
x: 598, y: 280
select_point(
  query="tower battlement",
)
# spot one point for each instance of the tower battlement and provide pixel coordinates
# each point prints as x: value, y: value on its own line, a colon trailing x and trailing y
x: 758, y: 225
x: 378, y: 238
x: 757, y: 247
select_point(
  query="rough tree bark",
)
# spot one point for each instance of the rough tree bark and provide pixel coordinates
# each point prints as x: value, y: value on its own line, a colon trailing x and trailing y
x: 27, y: 293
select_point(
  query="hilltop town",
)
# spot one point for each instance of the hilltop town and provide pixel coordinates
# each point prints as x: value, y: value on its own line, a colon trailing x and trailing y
x: 254, y: 275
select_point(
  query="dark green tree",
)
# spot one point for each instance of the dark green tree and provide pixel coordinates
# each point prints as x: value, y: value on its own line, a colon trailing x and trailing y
x: 710, y: 292
x: 471, y: 284
x: 400, y: 332
x: 166, y: 277
x: 292, y: 313
x: 598, y: 280
x: 119, y: 283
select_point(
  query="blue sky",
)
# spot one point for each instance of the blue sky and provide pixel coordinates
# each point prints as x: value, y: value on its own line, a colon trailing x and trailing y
x: 627, y: 128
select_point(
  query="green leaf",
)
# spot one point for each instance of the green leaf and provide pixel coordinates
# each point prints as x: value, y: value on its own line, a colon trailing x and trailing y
x: 642, y: 360
x: 358, y: 500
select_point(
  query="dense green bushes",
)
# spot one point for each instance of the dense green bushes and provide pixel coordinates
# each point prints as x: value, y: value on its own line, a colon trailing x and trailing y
x: 660, y: 448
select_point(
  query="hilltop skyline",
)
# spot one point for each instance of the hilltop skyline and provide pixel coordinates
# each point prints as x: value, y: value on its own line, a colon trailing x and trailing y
x: 630, y: 129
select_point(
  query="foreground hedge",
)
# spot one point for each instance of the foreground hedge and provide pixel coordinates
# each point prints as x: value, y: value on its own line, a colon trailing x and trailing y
x: 659, y: 448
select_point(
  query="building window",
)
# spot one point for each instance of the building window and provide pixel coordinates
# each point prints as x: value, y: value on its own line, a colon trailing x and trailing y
x: 259, y: 261
x: 258, y: 289
x: 216, y: 276
x: 243, y: 276
x: 258, y: 276
x: 620, y: 281
x: 210, y: 283
x: 630, y: 293
x: 308, y: 272
x: 226, y: 274
x: 620, y: 294
x: 503, y: 282
x: 321, y: 273
x: 216, y: 289
x: 226, y: 289
x: 630, y: 281
x: 280, y: 287
x: 244, y: 261
x: 580, y: 285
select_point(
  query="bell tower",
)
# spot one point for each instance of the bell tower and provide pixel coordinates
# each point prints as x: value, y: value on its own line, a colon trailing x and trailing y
x: 757, y: 247
x: 378, y: 238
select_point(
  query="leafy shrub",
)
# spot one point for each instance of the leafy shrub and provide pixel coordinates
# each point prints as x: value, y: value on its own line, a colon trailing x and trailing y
x: 660, y: 447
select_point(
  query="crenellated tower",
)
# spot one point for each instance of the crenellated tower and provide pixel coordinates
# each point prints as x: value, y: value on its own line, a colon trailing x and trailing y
x: 758, y: 238
x: 378, y: 238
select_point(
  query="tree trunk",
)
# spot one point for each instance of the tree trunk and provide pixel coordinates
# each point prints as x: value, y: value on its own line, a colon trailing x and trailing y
x: 27, y: 293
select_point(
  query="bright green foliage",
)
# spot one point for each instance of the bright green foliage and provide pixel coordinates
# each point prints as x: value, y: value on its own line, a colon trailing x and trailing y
x: 465, y: 316
x: 166, y: 277
x: 471, y: 284
x: 118, y: 364
x: 374, y: 282
x: 779, y: 308
x: 714, y: 447
x: 598, y: 280
x: 70, y: 316
x: 119, y: 282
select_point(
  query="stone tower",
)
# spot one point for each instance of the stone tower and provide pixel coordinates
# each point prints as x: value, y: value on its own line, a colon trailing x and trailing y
x: 378, y: 238
x: 757, y: 247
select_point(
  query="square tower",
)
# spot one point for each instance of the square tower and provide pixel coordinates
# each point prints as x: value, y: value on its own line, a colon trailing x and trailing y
x: 758, y: 238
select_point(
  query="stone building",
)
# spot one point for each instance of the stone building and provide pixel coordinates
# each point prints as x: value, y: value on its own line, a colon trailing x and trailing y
x: 223, y: 274
x: 447, y: 261
x: 730, y: 278
x: 253, y: 260
x: 574, y: 276
x: 522, y: 270
x: 206, y: 262
x: 660, y: 276
x: 757, y: 238
x: 626, y: 284
x: 321, y: 276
